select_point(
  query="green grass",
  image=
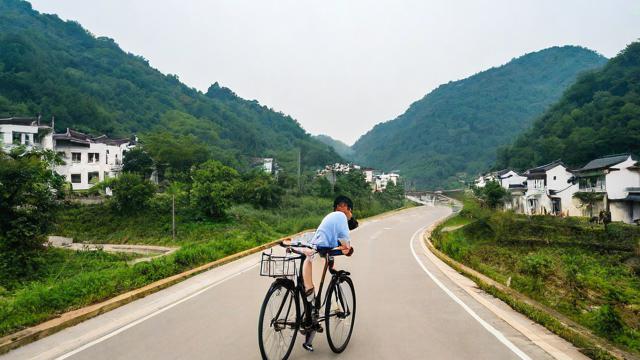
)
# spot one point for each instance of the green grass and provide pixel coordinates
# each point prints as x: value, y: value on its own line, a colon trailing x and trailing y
x: 68, y: 280
x: 577, y: 269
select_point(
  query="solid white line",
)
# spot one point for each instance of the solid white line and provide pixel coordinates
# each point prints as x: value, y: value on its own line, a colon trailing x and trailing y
x: 157, y: 312
x: 486, y: 325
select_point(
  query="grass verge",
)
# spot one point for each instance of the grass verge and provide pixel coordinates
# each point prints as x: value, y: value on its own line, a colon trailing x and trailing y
x: 68, y: 280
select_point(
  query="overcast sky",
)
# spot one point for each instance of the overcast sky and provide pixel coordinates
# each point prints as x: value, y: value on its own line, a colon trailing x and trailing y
x: 341, y: 66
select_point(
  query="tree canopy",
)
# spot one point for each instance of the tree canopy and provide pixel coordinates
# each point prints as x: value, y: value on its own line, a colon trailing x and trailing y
x: 57, y: 68
x: 598, y: 115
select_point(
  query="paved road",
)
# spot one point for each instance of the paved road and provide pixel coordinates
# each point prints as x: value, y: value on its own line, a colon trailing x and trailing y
x: 407, y: 309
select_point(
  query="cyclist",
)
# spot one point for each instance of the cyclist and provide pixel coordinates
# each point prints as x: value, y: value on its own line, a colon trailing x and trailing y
x: 332, y: 233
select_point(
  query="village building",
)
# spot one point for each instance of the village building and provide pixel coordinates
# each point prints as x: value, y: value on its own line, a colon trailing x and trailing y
x: 268, y: 165
x: 27, y: 131
x: 89, y: 160
x: 382, y: 181
x: 616, y: 179
x: 550, y: 190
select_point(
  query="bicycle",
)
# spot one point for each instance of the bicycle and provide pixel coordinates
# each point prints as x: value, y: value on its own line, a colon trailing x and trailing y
x: 280, y: 315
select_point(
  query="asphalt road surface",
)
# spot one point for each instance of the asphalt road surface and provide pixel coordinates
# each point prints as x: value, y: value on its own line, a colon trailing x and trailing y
x: 407, y: 309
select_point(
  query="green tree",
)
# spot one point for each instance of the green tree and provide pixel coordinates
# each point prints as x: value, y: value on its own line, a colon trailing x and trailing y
x: 29, y: 194
x: 260, y: 189
x: 131, y: 192
x: 322, y: 187
x: 492, y: 194
x: 352, y: 184
x: 213, y: 189
x: 138, y: 161
x: 175, y: 154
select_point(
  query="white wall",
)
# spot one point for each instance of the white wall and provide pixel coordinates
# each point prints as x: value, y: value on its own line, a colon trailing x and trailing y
x: 28, y: 136
x: 108, y: 163
x: 511, y: 178
x: 618, y: 180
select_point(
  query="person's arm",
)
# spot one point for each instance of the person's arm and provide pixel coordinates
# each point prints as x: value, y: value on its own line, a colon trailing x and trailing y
x: 346, y: 248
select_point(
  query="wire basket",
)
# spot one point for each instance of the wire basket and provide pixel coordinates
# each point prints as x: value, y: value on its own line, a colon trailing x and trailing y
x: 278, y: 266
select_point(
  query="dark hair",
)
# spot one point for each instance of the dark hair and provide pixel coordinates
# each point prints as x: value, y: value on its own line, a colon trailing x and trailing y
x: 342, y: 200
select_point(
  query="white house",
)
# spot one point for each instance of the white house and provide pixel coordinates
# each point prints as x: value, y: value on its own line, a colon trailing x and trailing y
x: 550, y: 190
x: 382, y: 180
x: 510, y: 179
x: 26, y: 131
x: 617, y: 178
x: 89, y: 160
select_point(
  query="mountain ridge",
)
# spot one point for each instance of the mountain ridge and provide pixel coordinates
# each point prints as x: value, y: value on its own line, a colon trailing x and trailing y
x: 54, y: 67
x: 598, y: 115
x: 450, y: 133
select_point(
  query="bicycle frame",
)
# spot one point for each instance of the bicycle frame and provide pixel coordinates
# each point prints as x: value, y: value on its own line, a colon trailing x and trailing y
x: 299, y: 291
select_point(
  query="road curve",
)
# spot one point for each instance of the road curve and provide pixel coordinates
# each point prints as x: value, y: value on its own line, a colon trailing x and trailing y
x: 407, y: 309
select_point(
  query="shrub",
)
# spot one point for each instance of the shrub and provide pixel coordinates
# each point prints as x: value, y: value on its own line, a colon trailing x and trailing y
x: 29, y: 190
x: 131, y: 192
x: 213, y: 189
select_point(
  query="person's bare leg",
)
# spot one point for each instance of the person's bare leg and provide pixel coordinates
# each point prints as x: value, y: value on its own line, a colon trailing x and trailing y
x: 307, y: 273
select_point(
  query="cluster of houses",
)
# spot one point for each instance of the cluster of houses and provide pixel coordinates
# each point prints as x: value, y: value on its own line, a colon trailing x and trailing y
x: 88, y: 159
x: 610, y: 184
x: 377, y: 179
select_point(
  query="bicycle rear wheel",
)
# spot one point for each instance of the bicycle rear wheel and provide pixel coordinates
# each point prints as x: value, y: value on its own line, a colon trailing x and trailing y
x: 340, y: 313
x: 279, y: 322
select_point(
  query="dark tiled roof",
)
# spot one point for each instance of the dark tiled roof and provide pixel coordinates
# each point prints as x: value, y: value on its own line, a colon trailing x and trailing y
x: 543, y: 169
x: 604, y: 162
x: 103, y: 139
x: 82, y: 138
x: 28, y: 121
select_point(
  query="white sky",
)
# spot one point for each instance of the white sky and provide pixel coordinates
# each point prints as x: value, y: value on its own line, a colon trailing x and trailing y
x: 341, y: 66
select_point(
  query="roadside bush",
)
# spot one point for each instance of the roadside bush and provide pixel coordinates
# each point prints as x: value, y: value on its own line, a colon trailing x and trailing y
x: 607, y: 322
x: 260, y: 189
x: 213, y: 189
x: 131, y: 192
x: 29, y: 190
x: 537, y: 265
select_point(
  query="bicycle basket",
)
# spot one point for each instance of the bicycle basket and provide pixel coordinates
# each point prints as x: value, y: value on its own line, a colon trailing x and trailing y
x: 278, y: 266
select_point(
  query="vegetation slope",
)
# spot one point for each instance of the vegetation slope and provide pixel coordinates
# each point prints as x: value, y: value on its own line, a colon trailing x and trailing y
x: 53, y: 67
x: 454, y: 131
x: 598, y: 115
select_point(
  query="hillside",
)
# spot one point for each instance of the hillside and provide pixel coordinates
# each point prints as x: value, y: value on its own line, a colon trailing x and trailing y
x: 341, y: 148
x: 598, y: 115
x: 56, y: 67
x: 454, y: 131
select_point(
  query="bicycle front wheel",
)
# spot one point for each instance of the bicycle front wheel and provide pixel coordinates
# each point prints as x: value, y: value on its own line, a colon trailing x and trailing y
x: 340, y: 313
x: 278, y: 324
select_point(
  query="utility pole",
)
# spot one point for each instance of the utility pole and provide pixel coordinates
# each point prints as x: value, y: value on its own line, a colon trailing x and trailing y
x: 173, y: 216
x: 299, y: 171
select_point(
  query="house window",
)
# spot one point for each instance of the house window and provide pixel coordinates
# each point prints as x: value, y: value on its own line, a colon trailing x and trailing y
x: 106, y: 175
x: 94, y: 177
x: 554, y: 178
x: 62, y: 154
x: 76, y: 178
x: 76, y: 157
x: 94, y: 157
x: 17, y: 138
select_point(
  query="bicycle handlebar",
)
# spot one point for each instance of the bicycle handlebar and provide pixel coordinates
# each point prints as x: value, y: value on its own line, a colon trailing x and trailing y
x: 321, y: 250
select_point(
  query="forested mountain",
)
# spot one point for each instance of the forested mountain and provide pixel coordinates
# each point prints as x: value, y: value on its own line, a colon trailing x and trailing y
x: 58, y: 68
x: 454, y: 131
x: 598, y: 115
x: 341, y: 148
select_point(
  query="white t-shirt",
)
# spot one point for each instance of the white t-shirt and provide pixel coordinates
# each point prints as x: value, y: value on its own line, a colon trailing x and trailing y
x: 333, y: 229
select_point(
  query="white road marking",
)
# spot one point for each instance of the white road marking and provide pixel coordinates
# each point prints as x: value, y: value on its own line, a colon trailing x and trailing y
x: 157, y: 312
x: 473, y: 314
